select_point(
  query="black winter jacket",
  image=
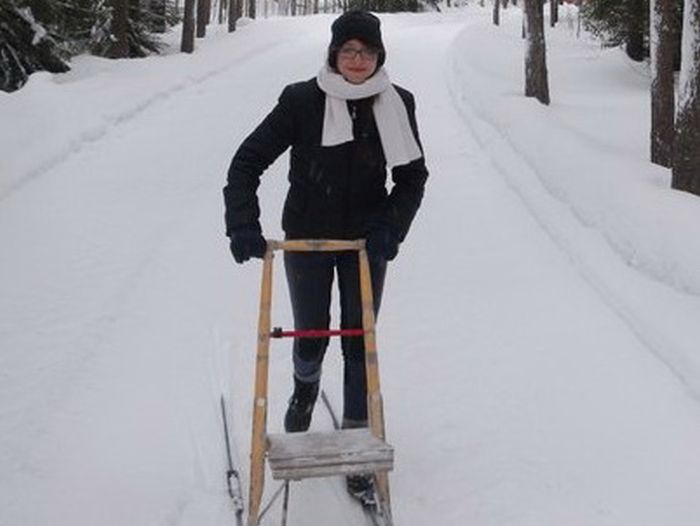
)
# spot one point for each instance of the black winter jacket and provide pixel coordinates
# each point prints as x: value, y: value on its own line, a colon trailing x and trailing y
x: 336, y: 192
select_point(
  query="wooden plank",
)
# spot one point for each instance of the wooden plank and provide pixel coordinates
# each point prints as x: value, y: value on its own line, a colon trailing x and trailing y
x: 374, y: 398
x: 259, y: 431
x: 342, y: 457
x: 285, y: 445
x: 300, y: 472
x: 375, y: 405
x: 304, y: 455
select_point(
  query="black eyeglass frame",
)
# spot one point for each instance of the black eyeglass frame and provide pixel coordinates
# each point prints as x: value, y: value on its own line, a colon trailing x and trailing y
x: 351, y: 53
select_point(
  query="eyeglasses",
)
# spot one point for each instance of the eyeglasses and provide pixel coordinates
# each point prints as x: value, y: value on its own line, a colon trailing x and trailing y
x: 350, y: 53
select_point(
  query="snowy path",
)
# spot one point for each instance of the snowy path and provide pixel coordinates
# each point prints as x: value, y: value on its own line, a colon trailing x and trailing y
x: 538, y: 404
x: 514, y: 394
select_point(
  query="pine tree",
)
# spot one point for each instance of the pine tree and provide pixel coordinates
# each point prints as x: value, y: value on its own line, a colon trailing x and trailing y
x: 26, y: 46
x: 40, y: 35
x: 77, y: 26
x: 157, y: 16
x: 620, y: 22
x: 119, y: 30
x: 142, y: 41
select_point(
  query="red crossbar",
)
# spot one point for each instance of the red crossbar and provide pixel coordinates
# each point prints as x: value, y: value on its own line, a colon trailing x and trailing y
x: 277, y: 332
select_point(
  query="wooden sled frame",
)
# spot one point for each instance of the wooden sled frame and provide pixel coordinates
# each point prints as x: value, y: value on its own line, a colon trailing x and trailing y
x: 259, y: 440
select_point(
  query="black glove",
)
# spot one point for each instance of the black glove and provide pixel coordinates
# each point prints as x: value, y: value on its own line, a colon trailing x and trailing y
x: 246, y: 243
x: 382, y: 242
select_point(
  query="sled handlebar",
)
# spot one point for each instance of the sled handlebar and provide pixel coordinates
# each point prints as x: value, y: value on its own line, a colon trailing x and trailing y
x: 315, y: 245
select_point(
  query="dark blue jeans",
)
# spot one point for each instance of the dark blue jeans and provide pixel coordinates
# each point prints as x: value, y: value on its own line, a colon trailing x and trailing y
x: 310, y: 278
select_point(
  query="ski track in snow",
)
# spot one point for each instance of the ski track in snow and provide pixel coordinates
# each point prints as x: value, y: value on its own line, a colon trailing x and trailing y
x: 111, y: 121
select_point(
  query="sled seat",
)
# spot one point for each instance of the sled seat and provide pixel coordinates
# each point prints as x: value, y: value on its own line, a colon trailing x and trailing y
x: 295, y: 456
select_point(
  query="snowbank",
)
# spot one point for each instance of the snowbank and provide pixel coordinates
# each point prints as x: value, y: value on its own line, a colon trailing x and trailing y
x: 589, y: 147
x: 580, y: 165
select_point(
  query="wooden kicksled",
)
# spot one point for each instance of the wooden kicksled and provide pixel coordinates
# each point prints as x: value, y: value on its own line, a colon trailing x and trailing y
x: 296, y: 456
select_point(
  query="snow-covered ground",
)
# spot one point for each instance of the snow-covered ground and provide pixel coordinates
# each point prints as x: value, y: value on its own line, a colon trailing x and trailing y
x: 538, y: 337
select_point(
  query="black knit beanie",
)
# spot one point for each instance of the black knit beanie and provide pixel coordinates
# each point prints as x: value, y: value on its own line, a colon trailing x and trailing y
x: 359, y: 24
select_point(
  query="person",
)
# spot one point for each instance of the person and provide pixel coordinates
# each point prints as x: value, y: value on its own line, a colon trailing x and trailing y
x: 344, y: 127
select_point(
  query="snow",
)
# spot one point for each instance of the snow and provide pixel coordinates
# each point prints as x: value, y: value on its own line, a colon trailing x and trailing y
x: 538, y: 335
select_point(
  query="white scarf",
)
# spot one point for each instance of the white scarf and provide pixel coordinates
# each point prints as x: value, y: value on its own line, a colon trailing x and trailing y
x: 399, y: 144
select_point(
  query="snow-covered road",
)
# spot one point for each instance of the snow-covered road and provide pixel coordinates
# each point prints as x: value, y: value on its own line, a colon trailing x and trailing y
x: 514, y: 393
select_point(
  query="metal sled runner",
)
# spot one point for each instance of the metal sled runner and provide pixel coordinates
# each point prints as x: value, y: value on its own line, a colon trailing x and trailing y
x: 296, y: 456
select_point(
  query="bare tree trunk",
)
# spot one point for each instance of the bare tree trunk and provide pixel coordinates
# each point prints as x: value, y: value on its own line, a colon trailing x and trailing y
x: 233, y: 14
x: 662, y: 42
x: 203, y: 8
x: 504, y: 4
x: 187, y: 45
x: 120, y: 28
x: 251, y: 8
x: 553, y: 12
x: 536, y: 84
x: 496, y: 12
x: 686, y: 150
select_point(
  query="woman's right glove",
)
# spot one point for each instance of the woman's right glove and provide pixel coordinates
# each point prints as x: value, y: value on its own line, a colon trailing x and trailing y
x: 246, y: 243
x: 382, y: 242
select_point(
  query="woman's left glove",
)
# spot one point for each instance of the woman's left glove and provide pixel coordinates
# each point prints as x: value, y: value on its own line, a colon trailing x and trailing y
x: 382, y: 242
x: 246, y: 243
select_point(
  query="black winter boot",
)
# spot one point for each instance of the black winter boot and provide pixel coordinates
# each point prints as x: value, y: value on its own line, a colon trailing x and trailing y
x: 361, y: 487
x: 301, y: 405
